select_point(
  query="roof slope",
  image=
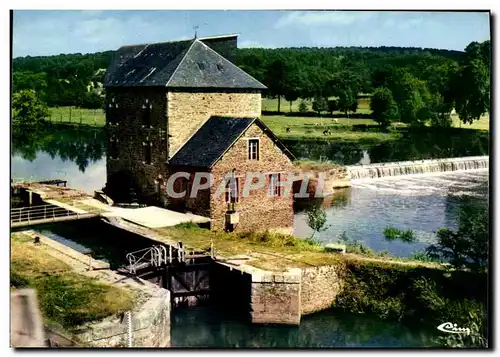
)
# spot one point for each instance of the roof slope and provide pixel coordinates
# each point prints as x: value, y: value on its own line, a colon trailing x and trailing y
x: 180, y: 64
x: 145, y: 65
x: 214, y: 138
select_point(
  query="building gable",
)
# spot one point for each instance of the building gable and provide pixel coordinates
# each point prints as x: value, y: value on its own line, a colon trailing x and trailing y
x: 216, y: 137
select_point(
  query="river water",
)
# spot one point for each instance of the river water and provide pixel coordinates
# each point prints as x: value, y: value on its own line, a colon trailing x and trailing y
x: 422, y: 203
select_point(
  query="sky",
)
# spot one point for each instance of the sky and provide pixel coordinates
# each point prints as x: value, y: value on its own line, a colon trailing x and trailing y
x: 40, y: 33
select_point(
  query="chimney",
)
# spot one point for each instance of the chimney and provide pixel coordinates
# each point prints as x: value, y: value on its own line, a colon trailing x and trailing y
x: 224, y: 45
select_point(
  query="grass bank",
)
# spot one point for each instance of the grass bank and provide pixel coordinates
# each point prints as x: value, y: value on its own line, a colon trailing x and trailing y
x: 417, y: 295
x: 272, y: 251
x: 66, y: 299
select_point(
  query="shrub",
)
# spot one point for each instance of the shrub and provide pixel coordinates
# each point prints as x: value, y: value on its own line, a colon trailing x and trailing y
x: 303, y: 107
x: 407, y: 236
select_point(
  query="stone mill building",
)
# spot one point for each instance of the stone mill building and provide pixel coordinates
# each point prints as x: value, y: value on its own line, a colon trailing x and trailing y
x: 183, y: 106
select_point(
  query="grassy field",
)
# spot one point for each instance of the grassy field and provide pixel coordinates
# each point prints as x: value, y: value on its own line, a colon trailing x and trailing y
x: 66, y: 299
x: 271, y: 105
x: 482, y: 124
x: 77, y: 116
x: 300, y: 128
x: 312, y: 128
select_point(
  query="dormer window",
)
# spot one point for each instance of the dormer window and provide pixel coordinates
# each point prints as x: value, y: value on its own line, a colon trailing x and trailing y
x: 219, y: 67
x: 201, y: 66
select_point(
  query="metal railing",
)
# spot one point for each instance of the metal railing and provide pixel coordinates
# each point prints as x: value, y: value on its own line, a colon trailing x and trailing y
x: 42, y: 213
x: 155, y: 255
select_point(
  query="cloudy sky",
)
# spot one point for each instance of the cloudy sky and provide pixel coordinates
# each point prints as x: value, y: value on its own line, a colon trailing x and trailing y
x: 45, y: 32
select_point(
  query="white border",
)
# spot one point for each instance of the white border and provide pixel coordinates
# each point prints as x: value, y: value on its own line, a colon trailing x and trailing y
x: 185, y: 5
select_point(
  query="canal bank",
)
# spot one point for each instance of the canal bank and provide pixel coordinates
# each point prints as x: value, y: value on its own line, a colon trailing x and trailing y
x: 85, y: 301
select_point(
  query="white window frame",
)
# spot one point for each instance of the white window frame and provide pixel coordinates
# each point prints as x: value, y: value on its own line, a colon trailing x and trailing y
x: 250, y: 151
x: 274, y: 185
x: 231, y: 190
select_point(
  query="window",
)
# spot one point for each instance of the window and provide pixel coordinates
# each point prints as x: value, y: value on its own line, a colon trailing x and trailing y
x: 147, y: 152
x: 232, y: 189
x: 113, y: 148
x: 146, y: 115
x: 274, y: 185
x: 111, y: 111
x: 253, y: 149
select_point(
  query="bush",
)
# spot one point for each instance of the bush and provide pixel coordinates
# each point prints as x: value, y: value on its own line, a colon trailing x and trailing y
x: 391, y: 233
x: 414, y: 295
x: 303, y: 107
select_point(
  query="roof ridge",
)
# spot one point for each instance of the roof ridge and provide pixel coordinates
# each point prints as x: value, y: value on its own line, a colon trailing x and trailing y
x: 231, y: 63
x: 180, y: 62
x: 153, y: 43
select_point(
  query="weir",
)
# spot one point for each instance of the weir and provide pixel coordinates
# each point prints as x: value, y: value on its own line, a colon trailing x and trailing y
x: 417, y: 167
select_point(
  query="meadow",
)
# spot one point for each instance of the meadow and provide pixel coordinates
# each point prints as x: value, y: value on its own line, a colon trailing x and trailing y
x: 289, y: 127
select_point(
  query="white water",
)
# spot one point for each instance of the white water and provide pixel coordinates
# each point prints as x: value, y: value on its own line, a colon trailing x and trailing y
x: 417, y: 167
x: 420, y: 202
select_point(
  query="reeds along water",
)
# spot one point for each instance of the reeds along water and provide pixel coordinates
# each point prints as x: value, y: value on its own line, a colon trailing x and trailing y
x: 418, y: 167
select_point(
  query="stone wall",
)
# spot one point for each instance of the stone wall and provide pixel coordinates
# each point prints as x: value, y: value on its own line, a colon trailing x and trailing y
x: 188, y: 111
x: 200, y: 204
x: 125, y: 124
x: 321, y: 184
x: 150, y: 326
x: 319, y: 288
x: 275, y: 298
x: 258, y: 211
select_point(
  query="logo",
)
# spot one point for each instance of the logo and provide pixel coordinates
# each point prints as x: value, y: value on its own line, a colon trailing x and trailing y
x: 452, y: 328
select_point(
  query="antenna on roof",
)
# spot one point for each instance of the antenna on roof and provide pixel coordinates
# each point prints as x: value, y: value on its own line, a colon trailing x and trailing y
x: 195, y: 32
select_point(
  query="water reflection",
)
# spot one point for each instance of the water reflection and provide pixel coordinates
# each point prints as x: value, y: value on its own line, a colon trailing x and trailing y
x: 204, y: 327
x: 414, y: 145
x: 75, y: 154
x: 80, y: 145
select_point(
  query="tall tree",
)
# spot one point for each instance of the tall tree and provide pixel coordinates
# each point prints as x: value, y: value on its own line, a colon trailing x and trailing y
x: 472, y: 83
x: 411, y: 96
x: 383, y: 107
x: 275, y: 79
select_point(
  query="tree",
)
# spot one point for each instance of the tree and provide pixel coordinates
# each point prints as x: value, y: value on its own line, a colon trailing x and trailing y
x: 467, y: 247
x: 316, y: 220
x: 383, y: 107
x: 27, y: 108
x: 348, y: 101
x: 332, y: 106
x: 439, y: 79
x: 319, y: 105
x: 472, y: 96
x: 291, y: 95
x: 413, y: 99
x: 303, y: 106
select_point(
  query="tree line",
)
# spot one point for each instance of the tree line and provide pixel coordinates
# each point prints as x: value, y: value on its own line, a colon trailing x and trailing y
x: 412, y: 85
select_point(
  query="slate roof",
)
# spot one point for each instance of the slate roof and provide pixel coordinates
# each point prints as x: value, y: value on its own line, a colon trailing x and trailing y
x: 179, y: 64
x: 214, y: 138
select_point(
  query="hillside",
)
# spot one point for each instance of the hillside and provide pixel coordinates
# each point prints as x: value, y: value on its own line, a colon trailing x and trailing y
x: 73, y: 79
